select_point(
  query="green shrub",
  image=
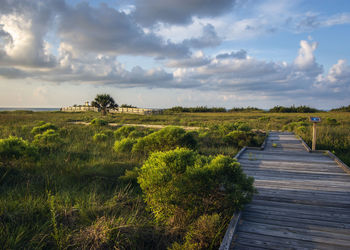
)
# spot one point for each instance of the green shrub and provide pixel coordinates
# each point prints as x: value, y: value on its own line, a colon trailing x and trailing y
x: 98, y: 122
x: 238, y: 138
x: 292, y: 126
x: 301, y: 130
x: 165, y: 139
x: 123, y: 132
x: 98, y: 137
x: 109, y: 133
x: 138, y: 133
x: 264, y: 119
x: 224, y: 128
x: 50, y: 139
x: 43, y: 127
x: 332, y: 121
x: 180, y: 185
x: 243, y: 127
x: 15, y: 148
x: 124, y: 145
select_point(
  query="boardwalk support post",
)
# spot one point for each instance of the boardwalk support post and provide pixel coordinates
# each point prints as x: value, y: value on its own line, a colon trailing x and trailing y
x: 314, y: 120
x: 314, y: 136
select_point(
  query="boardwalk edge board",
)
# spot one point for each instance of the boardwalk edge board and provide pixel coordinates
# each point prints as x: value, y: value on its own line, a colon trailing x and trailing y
x: 232, y: 227
x: 231, y: 230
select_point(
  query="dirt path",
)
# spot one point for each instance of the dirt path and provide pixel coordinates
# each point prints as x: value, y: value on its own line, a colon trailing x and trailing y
x: 140, y: 125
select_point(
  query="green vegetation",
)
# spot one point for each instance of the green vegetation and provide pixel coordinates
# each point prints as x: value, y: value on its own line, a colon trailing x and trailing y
x: 81, y: 187
x: 98, y: 122
x: 201, y: 109
x: 99, y: 137
x: 180, y: 185
x: 276, y: 109
x: 342, y: 109
x: 293, y: 109
x: 104, y: 102
x: 14, y: 148
x: 42, y: 127
x: 165, y: 139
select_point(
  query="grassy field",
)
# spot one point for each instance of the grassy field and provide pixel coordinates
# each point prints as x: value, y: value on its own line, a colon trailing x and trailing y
x: 80, y: 193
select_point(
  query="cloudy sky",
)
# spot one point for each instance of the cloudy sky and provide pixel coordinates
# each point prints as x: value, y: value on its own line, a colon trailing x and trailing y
x: 164, y: 53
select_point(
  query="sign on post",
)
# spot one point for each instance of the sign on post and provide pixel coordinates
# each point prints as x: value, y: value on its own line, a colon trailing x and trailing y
x: 314, y: 120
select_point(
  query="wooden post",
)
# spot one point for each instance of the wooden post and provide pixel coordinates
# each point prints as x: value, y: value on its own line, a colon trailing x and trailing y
x: 314, y: 136
x: 314, y: 120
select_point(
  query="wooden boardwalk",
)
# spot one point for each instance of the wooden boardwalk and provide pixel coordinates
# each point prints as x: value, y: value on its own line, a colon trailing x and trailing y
x: 303, y: 199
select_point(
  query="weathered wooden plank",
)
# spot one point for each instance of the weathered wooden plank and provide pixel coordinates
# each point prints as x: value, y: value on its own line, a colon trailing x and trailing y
x: 320, y: 212
x: 335, y: 217
x: 289, y: 185
x: 309, y: 169
x: 289, y: 158
x: 286, y: 153
x: 239, y: 246
x: 320, y: 225
x: 269, y: 242
x: 295, y: 233
x: 288, y: 163
x: 303, y: 200
x: 336, y: 196
x: 286, y: 175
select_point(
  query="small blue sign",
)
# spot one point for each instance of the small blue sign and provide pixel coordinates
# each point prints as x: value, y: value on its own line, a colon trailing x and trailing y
x: 315, y: 119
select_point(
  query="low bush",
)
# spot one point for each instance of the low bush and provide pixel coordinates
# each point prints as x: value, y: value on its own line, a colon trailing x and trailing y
x: 98, y: 122
x: 292, y: 126
x: 124, y: 145
x: 301, y: 130
x: 165, y: 139
x: 50, y: 139
x: 15, y: 148
x: 243, y: 127
x: 332, y: 121
x: 98, y: 137
x: 43, y: 127
x: 123, y: 132
x: 239, y: 138
x: 180, y: 185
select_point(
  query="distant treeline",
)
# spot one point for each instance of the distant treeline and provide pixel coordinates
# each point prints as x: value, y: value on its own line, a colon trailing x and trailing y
x: 276, y: 109
x: 204, y: 109
x: 293, y: 109
x: 201, y: 109
x: 342, y: 109
x: 247, y: 109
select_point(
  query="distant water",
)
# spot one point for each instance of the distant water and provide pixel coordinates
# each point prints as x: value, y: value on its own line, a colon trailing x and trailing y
x: 29, y: 109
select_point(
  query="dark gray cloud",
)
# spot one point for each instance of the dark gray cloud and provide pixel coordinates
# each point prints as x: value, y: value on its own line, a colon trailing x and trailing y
x: 149, y: 12
x: 104, y: 29
x: 12, y: 73
x: 209, y: 38
x: 241, y: 54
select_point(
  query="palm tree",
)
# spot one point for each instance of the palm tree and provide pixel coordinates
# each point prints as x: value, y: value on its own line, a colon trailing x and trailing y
x: 104, y: 102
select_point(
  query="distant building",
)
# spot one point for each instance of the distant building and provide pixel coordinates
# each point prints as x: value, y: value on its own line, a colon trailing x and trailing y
x: 139, y: 111
x: 88, y: 107
x: 79, y: 108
